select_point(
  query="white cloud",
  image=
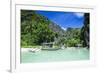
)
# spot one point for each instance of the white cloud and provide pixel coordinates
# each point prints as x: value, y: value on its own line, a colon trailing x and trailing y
x: 79, y: 15
x: 63, y: 28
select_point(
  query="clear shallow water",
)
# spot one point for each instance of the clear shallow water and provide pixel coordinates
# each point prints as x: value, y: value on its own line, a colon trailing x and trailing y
x: 69, y: 54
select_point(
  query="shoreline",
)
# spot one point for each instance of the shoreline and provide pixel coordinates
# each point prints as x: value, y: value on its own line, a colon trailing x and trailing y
x: 34, y: 49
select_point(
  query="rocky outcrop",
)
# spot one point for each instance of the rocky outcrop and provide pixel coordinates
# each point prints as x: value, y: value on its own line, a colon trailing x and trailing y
x: 85, y: 31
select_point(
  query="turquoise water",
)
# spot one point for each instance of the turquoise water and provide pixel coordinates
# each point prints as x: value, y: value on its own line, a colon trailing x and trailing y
x: 68, y: 54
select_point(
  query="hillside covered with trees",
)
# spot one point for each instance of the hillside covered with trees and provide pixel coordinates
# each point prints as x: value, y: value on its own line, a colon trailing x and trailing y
x: 37, y: 29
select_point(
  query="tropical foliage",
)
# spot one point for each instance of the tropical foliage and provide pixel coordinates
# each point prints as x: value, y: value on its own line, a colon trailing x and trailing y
x: 37, y: 29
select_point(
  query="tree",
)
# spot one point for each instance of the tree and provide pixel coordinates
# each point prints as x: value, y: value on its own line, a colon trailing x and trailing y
x: 73, y: 37
x: 35, y: 29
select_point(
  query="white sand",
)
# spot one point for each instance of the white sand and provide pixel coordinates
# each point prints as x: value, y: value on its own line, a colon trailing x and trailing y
x: 26, y: 49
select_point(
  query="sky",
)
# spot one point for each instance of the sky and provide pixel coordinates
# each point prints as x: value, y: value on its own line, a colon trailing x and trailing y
x: 64, y: 19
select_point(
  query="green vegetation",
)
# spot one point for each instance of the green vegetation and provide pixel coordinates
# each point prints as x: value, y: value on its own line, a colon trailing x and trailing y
x: 37, y: 29
x: 73, y: 36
